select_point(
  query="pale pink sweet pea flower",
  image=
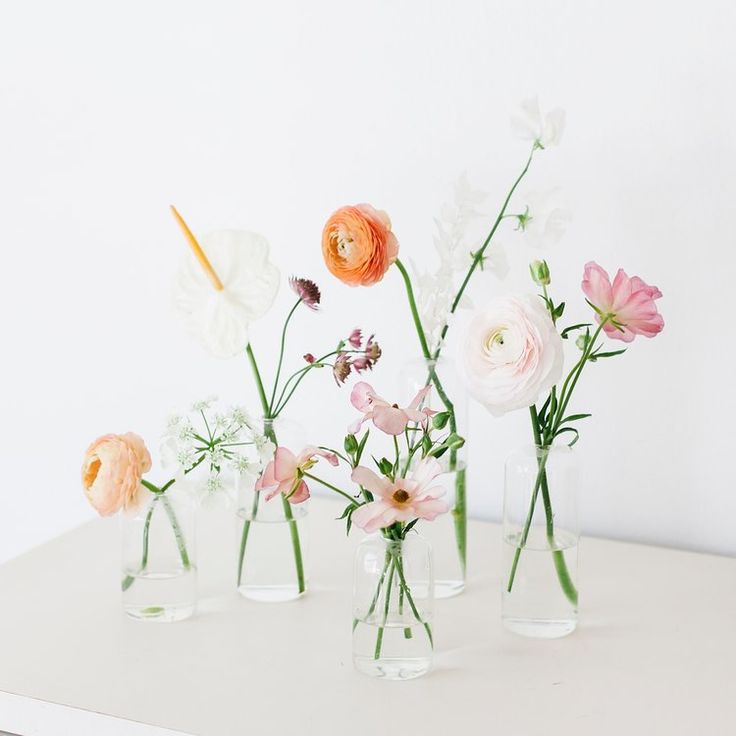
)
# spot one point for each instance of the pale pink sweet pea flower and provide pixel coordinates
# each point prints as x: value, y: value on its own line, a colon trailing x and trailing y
x: 284, y: 474
x: 389, y: 418
x: 408, y: 498
x: 628, y: 301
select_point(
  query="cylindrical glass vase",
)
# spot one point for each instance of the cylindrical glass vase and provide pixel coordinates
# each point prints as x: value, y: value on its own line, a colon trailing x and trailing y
x: 540, y: 540
x: 272, y: 535
x: 393, y: 605
x: 159, y: 574
x: 448, y: 534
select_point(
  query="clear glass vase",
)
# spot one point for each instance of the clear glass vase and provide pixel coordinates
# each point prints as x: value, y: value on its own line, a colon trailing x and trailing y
x: 448, y: 534
x: 541, y: 535
x: 159, y: 573
x: 393, y: 603
x: 272, y: 535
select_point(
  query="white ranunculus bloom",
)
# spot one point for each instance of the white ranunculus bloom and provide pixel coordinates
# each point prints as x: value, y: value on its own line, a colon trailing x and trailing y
x: 548, y: 218
x: 528, y: 123
x: 511, y: 353
x: 220, y: 319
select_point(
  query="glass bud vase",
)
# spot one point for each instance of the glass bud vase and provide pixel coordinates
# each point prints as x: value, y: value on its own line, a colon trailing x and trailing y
x: 159, y: 574
x: 272, y: 535
x: 393, y: 602
x: 448, y: 533
x: 540, y: 541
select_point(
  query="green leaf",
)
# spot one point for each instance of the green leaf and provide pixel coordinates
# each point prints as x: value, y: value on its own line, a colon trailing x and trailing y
x: 361, y: 446
x: 575, y: 417
x: 608, y: 354
x: 426, y: 444
x: 128, y: 580
x: 409, y: 527
x: 572, y: 328
x: 439, y: 451
x: 558, y: 310
x: 569, y: 429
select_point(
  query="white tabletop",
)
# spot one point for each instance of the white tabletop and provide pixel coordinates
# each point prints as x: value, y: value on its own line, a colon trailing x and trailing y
x: 655, y: 652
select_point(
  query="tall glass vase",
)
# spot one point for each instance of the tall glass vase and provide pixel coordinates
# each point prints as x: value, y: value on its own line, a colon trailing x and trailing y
x: 540, y: 535
x: 448, y: 533
x: 159, y: 574
x: 393, y: 603
x: 272, y: 535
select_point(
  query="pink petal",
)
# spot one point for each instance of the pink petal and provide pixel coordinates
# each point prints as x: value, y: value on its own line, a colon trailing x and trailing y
x: 373, y: 516
x: 390, y: 419
x: 417, y: 400
x: 300, y: 495
x: 597, y: 286
x: 360, y: 396
x: 370, y: 481
x: 430, y: 508
x: 285, y: 464
x: 354, y: 428
x: 267, y: 479
x: 426, y: 471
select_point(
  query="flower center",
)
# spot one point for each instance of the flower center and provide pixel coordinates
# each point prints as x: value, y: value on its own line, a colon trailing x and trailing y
x: 400, y: 496
x: 344, y: 244
x: 91, y: 473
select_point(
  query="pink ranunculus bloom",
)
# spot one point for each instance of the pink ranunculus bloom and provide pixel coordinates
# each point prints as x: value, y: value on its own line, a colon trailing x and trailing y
x: 284, y: 474
x: 389, y: 418
x: 408, y: 498
x: 629, y: 302
x: 111, y: 474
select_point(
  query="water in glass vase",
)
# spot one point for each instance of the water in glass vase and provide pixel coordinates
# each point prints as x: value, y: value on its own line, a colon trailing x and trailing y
x: 160, y: 596
x: 394, y: 651
x: 268, y: 570
x: 537, y: 605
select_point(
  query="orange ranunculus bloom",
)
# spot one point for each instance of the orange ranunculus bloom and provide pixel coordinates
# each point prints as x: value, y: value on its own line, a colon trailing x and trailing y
x: 358, y: 245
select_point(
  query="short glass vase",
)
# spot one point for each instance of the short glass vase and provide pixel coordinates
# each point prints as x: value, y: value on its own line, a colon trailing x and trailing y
x: 159, y: 573
x: 540, y: 542
x: 393, y: 606
x: 272, y: 565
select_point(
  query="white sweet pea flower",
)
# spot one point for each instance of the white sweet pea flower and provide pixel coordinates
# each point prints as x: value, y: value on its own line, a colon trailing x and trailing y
x: 220, y: 318
x: 529, y: 123
x: 547, y: 218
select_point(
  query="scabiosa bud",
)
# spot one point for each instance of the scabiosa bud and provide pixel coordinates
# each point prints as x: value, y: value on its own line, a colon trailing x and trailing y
x: 309, y: 357
x: 306, y: 290
x: 355, y: 339
x: 341, y: 369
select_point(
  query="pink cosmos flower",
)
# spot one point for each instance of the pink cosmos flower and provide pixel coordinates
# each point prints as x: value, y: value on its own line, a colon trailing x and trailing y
x: 285, y: 473
x: 389, y: 418
x: 408, y: 498
x: 629, y: 301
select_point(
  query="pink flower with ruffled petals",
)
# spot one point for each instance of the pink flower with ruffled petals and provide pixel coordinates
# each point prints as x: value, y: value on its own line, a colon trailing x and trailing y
x: 628, y: 302
x: 408, y: 498
x: 356, y: 338
x: 285, y: 473
x: 389, y: 418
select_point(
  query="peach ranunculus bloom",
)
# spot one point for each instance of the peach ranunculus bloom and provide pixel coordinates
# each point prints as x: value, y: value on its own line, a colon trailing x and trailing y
x: 112, y: 471
x: 358, y: 245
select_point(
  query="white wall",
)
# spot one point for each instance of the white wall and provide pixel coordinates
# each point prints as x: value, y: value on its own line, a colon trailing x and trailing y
x: 268, y: 116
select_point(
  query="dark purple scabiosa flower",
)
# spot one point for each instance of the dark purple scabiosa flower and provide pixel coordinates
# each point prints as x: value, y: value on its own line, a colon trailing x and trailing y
x: 306, y: 290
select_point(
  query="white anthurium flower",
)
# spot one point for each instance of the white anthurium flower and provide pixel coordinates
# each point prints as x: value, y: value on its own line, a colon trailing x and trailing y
x: 547, y: 218
x: 529, y: 123
x: 511, y: 354
x: 220, y: 318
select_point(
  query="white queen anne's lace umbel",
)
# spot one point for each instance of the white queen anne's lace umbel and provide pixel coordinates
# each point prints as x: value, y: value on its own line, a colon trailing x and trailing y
x: 203, y: 445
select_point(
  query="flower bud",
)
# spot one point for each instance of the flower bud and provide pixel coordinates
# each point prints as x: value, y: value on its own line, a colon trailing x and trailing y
x: 540, y: 273
x: 351, y: 444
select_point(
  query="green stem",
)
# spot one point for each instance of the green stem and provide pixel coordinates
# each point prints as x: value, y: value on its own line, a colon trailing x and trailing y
x: 386, y: 604
x: 128, y: 580
x: 410, y: 599
x: 281, y: 353
x: 331, y: 487
x: 288, y: 513
x: 180, y: 541
x: 374, y: 602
